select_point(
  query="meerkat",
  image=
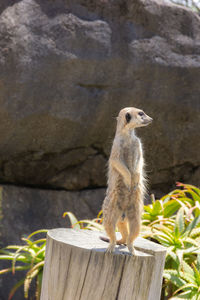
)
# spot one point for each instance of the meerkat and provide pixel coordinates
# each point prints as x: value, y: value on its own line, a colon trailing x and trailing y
x: 122, y: 206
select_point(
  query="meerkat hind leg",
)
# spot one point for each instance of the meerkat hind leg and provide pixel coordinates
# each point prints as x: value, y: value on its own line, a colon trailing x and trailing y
x: 134, y: 230
x: 122, y: 225
x: 110, y: 225
x: 112, y: 238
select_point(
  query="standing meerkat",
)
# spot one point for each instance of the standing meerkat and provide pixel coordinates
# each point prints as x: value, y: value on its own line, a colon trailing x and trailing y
x: 122, y: 206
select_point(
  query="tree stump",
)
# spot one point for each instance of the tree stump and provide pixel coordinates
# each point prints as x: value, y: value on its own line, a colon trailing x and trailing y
x: 77, y: 268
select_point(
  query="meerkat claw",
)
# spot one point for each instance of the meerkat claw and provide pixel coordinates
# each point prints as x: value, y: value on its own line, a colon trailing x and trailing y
x: 131, y: 249
x: 110, y: 248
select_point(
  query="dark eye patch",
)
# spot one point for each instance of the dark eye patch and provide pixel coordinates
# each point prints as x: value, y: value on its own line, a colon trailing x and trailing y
x: 141, y: 113
x: 128, y: 117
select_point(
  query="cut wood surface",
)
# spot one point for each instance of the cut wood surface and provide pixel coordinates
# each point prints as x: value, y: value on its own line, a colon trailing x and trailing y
x: 77, y: 268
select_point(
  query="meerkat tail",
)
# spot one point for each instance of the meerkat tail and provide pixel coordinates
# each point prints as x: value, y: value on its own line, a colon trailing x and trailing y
x: 107, y: 240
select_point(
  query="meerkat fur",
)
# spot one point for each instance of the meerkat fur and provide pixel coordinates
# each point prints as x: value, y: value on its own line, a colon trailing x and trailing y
x: 122, y: 206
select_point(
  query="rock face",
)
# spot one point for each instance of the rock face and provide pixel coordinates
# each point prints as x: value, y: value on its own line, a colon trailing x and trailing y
x: 68, y: 67
x: 25, y: 210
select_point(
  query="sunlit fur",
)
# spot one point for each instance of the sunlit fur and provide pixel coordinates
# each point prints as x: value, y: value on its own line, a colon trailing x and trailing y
x: 123, y: 203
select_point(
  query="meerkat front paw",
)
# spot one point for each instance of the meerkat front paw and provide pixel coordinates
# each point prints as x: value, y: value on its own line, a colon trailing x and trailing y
x: 127, y: 182
x: 110, y: 248
x: 131, y: 249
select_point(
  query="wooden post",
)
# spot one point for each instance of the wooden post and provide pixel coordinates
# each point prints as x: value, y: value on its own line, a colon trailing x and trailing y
x: 77, y: 268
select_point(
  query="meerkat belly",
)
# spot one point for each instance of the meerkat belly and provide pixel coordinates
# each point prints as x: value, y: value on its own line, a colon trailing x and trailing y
x: 123, y: 196
x: 130, y: 158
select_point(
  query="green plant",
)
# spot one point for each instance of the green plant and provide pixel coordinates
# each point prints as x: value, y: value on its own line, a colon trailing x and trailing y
x: 95, y: 224
x: 181, y: 241
x: 30, y: 258
x: 190, y: 196
x: 187, y: 279
x: 174, y: 222
x: 187, y: 197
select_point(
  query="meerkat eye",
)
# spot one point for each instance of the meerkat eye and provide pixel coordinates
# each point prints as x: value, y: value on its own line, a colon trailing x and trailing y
x: 128, y: 117
x: 141, y: 113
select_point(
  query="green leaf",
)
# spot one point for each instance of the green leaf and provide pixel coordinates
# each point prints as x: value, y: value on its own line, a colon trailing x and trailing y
x: 28, y: 280
x: 33, y: 272
x: 162, y: 241
x: 193, y: 194
x: 198, y: 261
x: 100, y: 214
x: 196, y: 274
x: 147, y: 216
x: 173, y: 276
x: 40, y: 241
x: 18, y: 268
x: 191, y: 250
x: 187, y: 201
x: 190, y: 186
x: 191, y: 241
x: 157, y: 208
x: 37, y: 232
x: 164, y: 236
x: 192, y: 225
x: 184, y: 295
x: 74, y: 222
x: 12, y: 247
x: 195, y: 233
x: 180, y: 256
x: 18, y: 254
x: 174, y: 193
x: 38, y: 285
x: 187, y: 277
x: 21, y: 258
x: 94, y: 224
x: 170, y: 207
x: 179, y: 222
x: 160, y: 229
x: 171, y: 253
x: 148, y: 208
x: 15, y: 288
x: 186, y: 287
x: 187, y: 268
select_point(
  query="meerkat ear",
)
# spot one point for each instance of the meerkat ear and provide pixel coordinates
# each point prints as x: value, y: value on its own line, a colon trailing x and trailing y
x: 128, y: 117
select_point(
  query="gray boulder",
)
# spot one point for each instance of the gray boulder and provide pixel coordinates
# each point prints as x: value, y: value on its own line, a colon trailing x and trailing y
x: 24, y: 210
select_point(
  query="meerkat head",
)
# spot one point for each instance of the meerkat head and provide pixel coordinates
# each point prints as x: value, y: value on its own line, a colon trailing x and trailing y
x: 131, y: 117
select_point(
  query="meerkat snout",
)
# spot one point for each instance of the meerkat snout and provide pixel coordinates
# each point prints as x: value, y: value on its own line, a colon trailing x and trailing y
x: 146, y: 120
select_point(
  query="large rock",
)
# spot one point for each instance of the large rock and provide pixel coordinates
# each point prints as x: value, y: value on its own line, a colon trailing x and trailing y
x: 68, y: 67
x: 25, y: 210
